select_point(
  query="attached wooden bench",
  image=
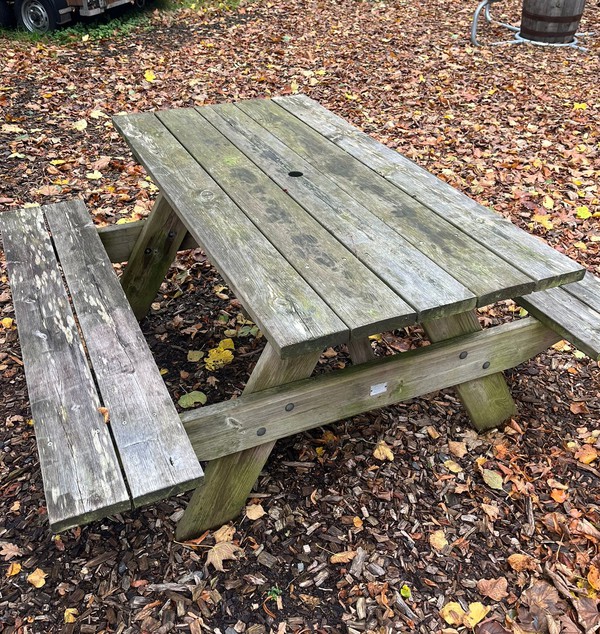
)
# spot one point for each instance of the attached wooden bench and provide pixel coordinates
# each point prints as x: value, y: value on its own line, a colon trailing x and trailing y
x: 84, y: 364
x: 572, y: 310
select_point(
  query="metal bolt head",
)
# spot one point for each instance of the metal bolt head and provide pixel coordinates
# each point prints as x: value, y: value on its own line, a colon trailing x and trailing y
x: 486, y: 365
x: 289, y: 407
x: 261, y: 431
x: 463, y: 355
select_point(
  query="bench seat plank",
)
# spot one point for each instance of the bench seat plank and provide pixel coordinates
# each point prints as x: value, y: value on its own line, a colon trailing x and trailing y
x: 153, y: 446
x: 80, y: 469
x: 375, y: 243
x: 573, y: 311
x: 257, y: 273
x: 358, y: 297
x: 483, y: 272
x: 524, y: 251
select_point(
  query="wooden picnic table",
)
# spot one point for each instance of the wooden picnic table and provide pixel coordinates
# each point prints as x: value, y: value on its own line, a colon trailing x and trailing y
x: 326, y: 237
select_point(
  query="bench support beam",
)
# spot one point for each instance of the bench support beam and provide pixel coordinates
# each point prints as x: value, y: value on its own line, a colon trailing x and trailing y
x: 152, y: 255
x: 487, y: 400
x: 233, y: 425
x: 229, y: 480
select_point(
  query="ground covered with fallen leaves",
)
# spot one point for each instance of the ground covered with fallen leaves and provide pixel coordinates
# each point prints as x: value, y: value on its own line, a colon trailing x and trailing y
x: 400, y: 520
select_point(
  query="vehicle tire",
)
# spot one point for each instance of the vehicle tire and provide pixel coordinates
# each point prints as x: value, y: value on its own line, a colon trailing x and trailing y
x: 37, y: 16
x: 7, y: 17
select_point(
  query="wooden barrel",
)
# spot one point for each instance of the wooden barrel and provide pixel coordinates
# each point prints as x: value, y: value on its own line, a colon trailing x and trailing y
x: 552, y: 21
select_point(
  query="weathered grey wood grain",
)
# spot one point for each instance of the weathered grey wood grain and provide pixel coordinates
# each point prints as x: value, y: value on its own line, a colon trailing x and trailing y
x: 586, y: 291
x: 119, y: 240
x: 487, y: 400
x: 360, y: 350
x: 576, y: 320
x: 153, y: 447
x: 80, y: 470
x: 151, y: 257
x: 229, y: 480
x: 524, y: 251
x: 432, y: 292
x: 354, y: 293
x: 233, y: 425
x: 288, y: 311
x: 485, y: 274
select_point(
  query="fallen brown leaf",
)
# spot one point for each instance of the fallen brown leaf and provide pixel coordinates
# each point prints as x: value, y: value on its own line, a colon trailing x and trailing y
x: 495, y: 589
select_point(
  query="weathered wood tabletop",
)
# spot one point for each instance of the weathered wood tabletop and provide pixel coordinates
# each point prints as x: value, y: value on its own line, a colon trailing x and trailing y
x: 324, y: 234
x: 326, y: 237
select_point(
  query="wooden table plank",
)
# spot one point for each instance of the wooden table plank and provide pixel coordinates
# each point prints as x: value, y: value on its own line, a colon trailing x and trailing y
x: 357, y: 296
x: 481, y: 271
x: 587, y: 291
x: 434, y: 293
x: 154, y: 449
x: 524, y: 251
x: 573, y: 319
x: 81, y: 473
x: 260, y: 277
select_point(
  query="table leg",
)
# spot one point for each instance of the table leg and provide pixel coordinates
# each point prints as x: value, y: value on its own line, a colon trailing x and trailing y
x: 487, y: 400
x: 152, y: 255
x: 228, y: 481
x: 360, y: 350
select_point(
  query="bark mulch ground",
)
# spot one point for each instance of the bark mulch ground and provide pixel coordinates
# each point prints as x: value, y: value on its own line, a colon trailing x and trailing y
x: 404, y: 519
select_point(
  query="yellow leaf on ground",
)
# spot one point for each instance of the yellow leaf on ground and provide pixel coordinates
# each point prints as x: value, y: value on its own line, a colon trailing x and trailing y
x: 586, y: 454
x: 11, y: 128
x: 453, y: 613
x: 254, y: 511
x: 580, y: 106
x: 493, y: 479
x: 357, y: 522
x: 70, y: 615
x: 548, y: 202
x: 383, y: 451
x: 217, y: 358
x: 477, y: 612
x: 452, y: 466
x: 438, y: 540
x: 583, y: 212
x: 7, y: 323
x: 226, y: 344
x: 543, y: 219
x: 149, y: 75
x: 13, y: 569
x: 80, y: 125
x: 593, y: 577
x: 37, y: 578
x: 344, y: 557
